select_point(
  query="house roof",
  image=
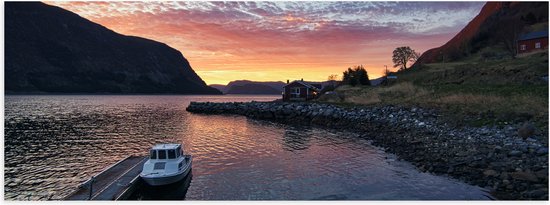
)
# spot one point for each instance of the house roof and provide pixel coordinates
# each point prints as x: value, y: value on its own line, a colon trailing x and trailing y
x: 533, y: 35
x: 306, y: 84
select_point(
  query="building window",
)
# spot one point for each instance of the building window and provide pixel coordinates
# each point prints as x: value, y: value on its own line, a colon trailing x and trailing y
x: 523, y: 47
x: 537, y: 45
x: 295, y: 92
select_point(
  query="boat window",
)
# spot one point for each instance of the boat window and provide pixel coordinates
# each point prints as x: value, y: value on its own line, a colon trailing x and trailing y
x: 178, y: 152
x: 153, y: 154
x: 162, y: 154
x: 171, y: 154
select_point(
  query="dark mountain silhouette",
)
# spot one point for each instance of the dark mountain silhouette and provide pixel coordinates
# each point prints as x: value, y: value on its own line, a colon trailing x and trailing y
x: 253, y: 89
x: 498, y: 23
x: 49, y: 49
x: 219, y: 87
x: 250, y: 87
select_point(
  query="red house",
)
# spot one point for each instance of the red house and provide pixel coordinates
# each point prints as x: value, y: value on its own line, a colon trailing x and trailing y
x: 532, y: 42
x: 299, y: 90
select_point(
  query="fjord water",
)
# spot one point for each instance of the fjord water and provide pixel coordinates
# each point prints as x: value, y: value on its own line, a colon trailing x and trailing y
x: 53, y: 143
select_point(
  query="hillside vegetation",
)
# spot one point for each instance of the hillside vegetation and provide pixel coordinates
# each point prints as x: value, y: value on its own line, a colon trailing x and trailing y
x: 473, y: 78
x: 472, y: 91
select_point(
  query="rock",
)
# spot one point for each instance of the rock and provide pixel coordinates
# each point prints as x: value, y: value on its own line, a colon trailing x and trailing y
x: 514, y: 153
x: 527, y: 130
x: 328, y: 112
x: 542, y: 173
x: 524, y: 176
x: 497, y: 149
x: 490, y: 173
x: 539, y: 193
x: 504, y: 175
x: 542, y: 151
x: 287, y: 111
x: 450, y: 170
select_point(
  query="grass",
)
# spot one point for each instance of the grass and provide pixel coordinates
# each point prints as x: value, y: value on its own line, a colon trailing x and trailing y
x: 473, y: 91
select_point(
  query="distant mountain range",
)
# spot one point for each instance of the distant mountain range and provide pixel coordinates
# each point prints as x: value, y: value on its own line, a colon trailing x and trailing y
x: 264, y: 88
x: 51, y: 50
x: 497, y: 24
x: 251, y: 87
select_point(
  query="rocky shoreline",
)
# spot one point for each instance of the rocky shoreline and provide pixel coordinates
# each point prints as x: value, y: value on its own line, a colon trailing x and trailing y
x: 491, y: 157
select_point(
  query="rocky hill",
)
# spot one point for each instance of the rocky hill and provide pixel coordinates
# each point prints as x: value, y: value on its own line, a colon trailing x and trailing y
x: 498, y: 24
x: 51, y: 50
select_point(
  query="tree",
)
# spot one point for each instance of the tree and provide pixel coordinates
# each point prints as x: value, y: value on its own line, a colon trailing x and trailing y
x: 508, y: 34
x: 355, y: 76
x: 332, y: 79
x: 403, y: 55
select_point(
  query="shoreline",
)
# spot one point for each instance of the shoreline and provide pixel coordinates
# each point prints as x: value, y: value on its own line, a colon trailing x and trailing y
x: 495, y: 158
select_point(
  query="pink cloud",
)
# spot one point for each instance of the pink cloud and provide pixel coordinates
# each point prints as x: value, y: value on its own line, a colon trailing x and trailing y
x: 282, y: 37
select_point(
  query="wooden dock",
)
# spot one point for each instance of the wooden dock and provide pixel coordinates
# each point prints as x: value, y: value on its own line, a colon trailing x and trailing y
x: 113, y: 183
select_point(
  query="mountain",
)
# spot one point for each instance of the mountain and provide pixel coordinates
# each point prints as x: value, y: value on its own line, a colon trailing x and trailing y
x: 253, y: 89
x: 250, y: 87
x: 264, y: 88
x: 51, y: 50
x: 497, y: 25
x: 219, y: 87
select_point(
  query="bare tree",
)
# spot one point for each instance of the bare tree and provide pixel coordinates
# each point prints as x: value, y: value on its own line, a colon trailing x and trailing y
x: 508, y: 34
x: 332, y: 79
x: 404, y: 55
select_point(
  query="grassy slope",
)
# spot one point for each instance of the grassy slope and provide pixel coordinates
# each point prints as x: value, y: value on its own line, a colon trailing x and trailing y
x: 474, y: 91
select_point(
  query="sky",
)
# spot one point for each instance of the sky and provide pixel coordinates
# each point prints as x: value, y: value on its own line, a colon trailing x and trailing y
x: 276, y: 41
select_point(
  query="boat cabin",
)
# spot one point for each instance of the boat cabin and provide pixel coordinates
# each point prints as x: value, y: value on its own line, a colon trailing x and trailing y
x: 166, y: 151
x: 166, y: 165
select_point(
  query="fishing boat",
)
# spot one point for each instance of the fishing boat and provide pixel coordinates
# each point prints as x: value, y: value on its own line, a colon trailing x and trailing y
x: 166, y: 165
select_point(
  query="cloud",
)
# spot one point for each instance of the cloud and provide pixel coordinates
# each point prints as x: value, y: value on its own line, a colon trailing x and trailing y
x: 314, y: 38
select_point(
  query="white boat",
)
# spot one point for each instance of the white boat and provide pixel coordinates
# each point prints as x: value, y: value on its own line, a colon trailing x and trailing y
x: 166, y: 164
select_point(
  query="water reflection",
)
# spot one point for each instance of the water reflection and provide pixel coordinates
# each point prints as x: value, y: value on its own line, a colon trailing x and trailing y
x: 175, y: 191
x: 52, y: 143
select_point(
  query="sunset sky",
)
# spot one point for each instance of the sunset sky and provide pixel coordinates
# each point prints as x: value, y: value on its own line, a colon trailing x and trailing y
x: 275, y: 41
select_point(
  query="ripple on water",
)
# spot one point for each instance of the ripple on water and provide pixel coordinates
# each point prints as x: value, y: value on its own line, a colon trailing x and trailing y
x: 53, y: 143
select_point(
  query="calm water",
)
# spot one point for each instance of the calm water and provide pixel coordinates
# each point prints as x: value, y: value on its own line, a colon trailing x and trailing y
x: 53, y: 143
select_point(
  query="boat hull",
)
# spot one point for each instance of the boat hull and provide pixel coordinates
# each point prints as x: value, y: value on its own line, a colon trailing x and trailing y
x: 165, y: 180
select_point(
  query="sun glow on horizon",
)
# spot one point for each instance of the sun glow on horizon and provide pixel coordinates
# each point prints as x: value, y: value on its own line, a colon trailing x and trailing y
x: 276, y: 41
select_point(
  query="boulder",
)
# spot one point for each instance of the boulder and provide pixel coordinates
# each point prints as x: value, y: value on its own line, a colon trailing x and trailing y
x: 527, y: 130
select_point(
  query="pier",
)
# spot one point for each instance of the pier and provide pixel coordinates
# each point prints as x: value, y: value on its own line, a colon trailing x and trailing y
x: 113, y: 183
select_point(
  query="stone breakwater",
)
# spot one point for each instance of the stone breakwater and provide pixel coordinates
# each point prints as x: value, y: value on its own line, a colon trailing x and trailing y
x: 491, y: 157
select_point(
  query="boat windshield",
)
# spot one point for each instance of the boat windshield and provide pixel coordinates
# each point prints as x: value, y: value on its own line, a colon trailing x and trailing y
x: 171, y: 154
x: 153, y: 154
x: 178, y: 152
x: 162, y: 154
